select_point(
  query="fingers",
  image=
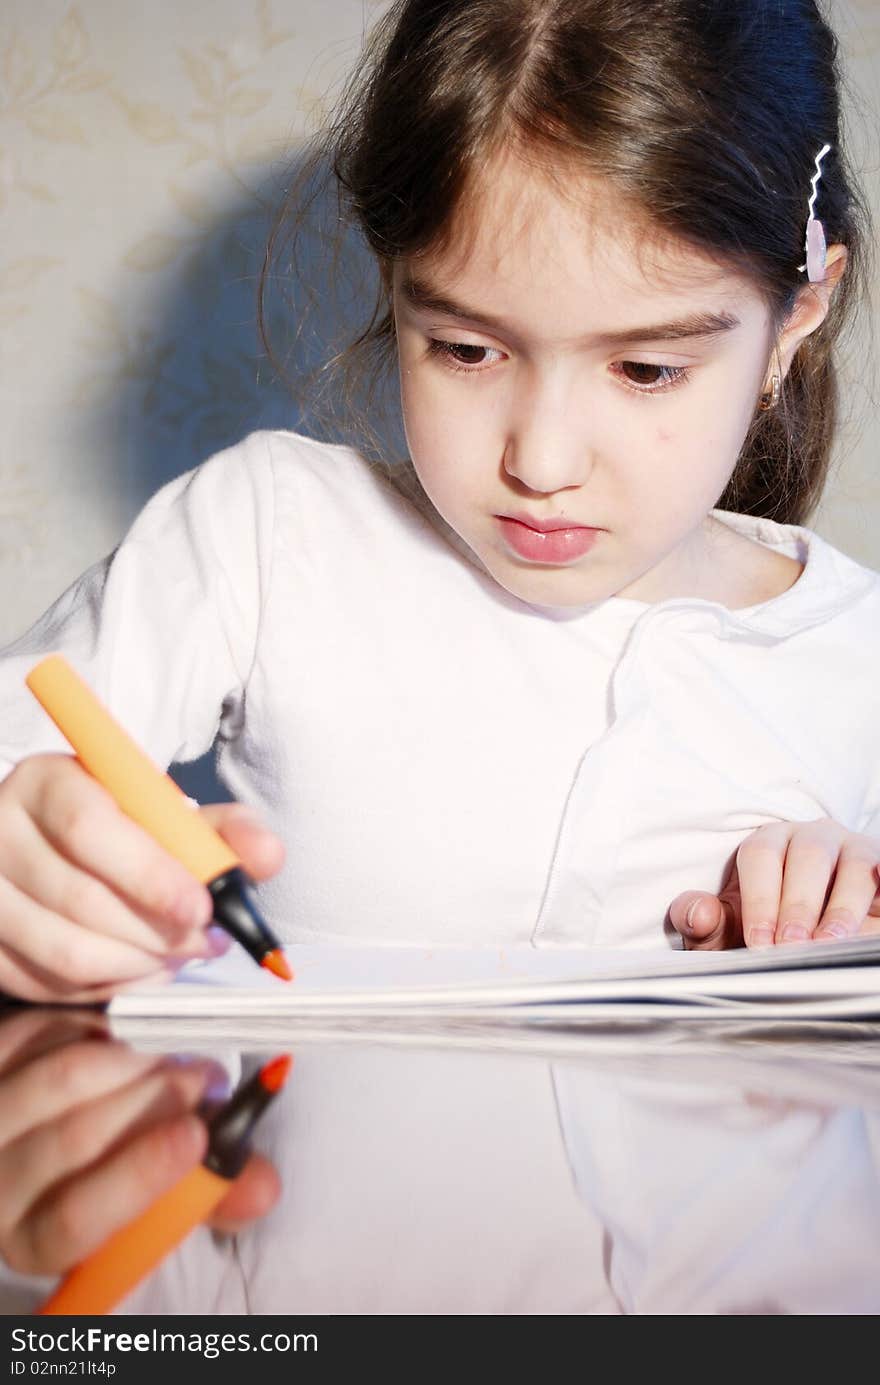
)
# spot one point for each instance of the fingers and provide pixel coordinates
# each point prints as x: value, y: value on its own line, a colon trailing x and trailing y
x: 90, y: 1133
x: 806, y: 881
x: 760, y: 866
x: 706, y: 922
x: 851, y: 903
x: 69, y: 1228
x: 67, y: 1150
x: 70, y: 890
x: 101, y: 868
x: 253, y: 1194
x: 25, y: 1034
x: 809, y: 865
x: 61, y: 1080
x: 63, y: 1230
x: 74, y: 956
x: 22, y: 978
x: 261, y: 853
x: 88, y: 901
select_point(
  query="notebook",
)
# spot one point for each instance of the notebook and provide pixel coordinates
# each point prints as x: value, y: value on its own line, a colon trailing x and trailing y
x: 560, y: 987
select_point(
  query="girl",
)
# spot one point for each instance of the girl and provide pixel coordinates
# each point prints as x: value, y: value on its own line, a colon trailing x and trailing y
x: 576, y: 672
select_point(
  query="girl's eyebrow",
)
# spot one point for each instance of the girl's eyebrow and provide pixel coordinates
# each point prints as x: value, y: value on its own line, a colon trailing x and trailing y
x: 422, y: 297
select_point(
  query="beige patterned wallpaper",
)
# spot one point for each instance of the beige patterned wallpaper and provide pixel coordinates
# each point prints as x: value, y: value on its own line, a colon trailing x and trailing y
x: 140, y: 149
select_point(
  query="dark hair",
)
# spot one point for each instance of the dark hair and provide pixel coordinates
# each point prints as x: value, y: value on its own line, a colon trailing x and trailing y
x: 706, y: 114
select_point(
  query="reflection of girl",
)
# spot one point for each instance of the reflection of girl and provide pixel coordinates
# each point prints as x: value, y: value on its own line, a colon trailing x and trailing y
x: 91, y: 1134
x: 729, y: 1186
x: 691, y: 1176
x: 551, y: 678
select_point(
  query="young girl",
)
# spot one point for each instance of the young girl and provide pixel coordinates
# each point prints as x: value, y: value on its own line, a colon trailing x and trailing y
x: 577, y: 672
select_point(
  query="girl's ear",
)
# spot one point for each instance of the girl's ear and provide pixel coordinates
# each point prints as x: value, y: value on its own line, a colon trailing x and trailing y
x: 810, y: 308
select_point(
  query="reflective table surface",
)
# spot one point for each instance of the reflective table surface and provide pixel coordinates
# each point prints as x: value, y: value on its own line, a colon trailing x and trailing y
x: 662, y: 1169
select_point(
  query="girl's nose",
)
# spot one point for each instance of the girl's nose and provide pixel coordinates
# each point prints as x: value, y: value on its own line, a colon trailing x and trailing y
x: 547, y: 464
x: 548, y: 445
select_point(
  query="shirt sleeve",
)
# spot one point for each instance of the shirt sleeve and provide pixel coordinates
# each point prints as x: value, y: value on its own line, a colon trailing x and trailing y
x: 165, y: 629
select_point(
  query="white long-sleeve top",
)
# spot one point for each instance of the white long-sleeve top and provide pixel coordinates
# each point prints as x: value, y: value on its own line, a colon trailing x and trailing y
x: 445, y: 762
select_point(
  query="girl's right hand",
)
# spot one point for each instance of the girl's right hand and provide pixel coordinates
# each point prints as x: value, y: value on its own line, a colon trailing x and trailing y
x: 89, y: 902
x: 92, y: 1132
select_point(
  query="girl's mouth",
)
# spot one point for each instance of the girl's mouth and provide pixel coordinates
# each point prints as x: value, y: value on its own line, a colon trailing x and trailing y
x: 553, y: 542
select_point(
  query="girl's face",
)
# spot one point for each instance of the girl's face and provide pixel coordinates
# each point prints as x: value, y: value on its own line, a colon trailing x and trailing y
x: 576, y: 395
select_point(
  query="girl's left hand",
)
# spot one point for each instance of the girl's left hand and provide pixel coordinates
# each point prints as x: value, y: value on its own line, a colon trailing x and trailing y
x: 788, y: 882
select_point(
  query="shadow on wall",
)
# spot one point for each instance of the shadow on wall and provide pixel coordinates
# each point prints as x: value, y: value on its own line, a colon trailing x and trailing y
x: 198, y: 378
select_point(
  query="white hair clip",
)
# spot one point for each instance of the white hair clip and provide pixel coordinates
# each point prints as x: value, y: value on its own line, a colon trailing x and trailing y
x: 816, y: 245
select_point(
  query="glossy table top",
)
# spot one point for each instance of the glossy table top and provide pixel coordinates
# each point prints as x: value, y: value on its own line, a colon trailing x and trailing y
x: 689, y: 1169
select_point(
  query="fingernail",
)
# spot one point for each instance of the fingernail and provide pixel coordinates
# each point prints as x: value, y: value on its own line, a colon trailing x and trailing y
x: 190, y: 1061
x: 690, y: 916
x: 795, y: 933
x: 833, y: 930
x: 218, y: 941
x: 204, y: 945
x: 218, y: 1087
x: 214, y: 1076
x: 762, y: 936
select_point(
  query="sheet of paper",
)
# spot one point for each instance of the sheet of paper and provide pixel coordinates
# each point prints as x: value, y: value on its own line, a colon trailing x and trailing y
x: 540, y: 985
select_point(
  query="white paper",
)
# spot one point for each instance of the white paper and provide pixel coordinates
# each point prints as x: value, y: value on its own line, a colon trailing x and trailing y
x: 560, y: 987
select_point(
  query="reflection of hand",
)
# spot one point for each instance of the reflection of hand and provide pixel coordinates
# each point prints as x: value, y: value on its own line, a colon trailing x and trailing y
x: 88, y: 900
x: 788, y: 882
x: 92, y: 1132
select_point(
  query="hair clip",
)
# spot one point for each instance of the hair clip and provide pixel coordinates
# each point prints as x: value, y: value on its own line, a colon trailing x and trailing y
x: 816, y: 245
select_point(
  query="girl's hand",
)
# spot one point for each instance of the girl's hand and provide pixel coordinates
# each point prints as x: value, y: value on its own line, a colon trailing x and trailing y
x: 788, y: 882
x: 88, y: 900
x: 91, y: 1133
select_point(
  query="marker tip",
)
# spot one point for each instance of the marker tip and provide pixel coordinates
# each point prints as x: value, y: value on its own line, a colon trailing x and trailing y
x: 277, y: 963
x: 274, y: 1075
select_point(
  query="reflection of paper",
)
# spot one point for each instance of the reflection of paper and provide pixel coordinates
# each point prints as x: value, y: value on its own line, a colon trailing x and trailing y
x: 687, y: 1176
x: 561, y: 987
x: 839, y: 1057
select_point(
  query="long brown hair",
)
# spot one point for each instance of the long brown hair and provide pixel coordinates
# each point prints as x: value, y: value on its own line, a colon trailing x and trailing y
x: 706, y: 114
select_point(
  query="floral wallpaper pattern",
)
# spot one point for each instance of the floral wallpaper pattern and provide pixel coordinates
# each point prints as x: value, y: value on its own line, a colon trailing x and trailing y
x: 142, y: 151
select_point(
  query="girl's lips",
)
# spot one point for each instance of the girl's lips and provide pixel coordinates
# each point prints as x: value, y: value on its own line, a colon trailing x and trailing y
x: 555, y: 545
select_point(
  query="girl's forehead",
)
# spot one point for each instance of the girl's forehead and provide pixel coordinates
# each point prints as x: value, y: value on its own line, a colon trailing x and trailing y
x: 523, y: 233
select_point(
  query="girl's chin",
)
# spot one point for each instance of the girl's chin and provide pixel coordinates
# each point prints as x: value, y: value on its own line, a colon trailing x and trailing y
x: 545, y: 586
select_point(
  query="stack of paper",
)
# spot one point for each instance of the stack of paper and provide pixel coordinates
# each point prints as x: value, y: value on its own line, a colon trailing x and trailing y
x: 565, y: 988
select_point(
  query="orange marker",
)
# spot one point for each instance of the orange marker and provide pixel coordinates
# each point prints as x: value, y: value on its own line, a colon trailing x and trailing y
x: 154, y: 801
x: 97, y: 1284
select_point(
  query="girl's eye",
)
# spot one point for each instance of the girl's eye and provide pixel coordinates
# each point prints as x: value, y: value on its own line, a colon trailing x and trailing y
x: 641, y: 377
x: 463, y: 356
x: 646, y: 378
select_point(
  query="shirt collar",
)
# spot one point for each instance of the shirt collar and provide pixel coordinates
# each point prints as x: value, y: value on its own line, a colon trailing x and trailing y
x: 830, y: 582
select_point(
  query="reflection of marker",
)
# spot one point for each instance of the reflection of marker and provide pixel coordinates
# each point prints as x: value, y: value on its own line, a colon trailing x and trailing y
x: 154, y: 801
x: 103, y: 1279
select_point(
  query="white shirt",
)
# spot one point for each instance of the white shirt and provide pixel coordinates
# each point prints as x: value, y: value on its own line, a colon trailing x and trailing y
x: 445, y: 762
